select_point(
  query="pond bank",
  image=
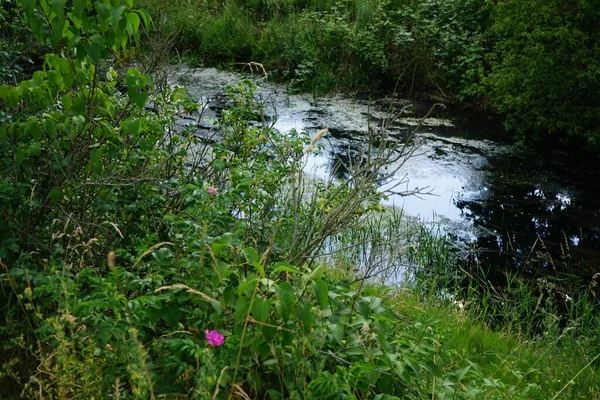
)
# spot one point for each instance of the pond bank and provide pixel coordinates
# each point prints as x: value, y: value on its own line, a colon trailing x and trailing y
x: 509, y: 204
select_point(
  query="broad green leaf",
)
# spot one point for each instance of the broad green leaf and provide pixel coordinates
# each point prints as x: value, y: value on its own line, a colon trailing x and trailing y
x: 132, y: 126
x: 20, y: 155
x: 66, y: 103
x: 55, y: 195
x: 79, y: 8
x: 413, y: 365
x: 116, y: 13
x: 287, y: 298
x: 57, y: 25
x: 254, y: 260
x: 307, y: 316
x: 321, y: 292
x: 284, y: 267
x: 58, y: 7
x: 28, y: 7
x: 138, y: 95
x: 35, y: 149
x: 460, y: 374
x: 96, y: 159
x: 104, y: 15
x: 44, y: 5
x: 242, y: 306
x: 146, y: 144
x: 269, y: 332
x: 316, y: 273
x: 221, y: 243
x: 145, y: 17
x: 32, y: 128
x: 355, y: 351
x: 133, y: 23
x: 250, y: 281
x: 95, y: 48
x: 261, y: 309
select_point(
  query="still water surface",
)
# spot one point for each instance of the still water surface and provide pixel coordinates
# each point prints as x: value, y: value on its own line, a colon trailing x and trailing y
x: 523, y: 212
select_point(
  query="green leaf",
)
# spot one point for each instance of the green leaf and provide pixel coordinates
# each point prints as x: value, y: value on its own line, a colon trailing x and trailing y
x: 321, y: 292
x: 57, y: 30
x: 55, y: 195
x: 96, y: 159
x: 250, y: 281
x: 132, y: 126
x: 254, y: 260
x: 138, y: 95
x: 172, y: 314
x: 460, y: 374
x: 145, y: 18
x: 49, y: 126
x: 20, y: 155
x: 221, y: 243
x: 116, y: 13
x: 287, y: 298
x: 284, y: 267
x: 67, y: 102
x: 28, y: 7
x: 242, y: 306
x: 79, y: 8
x: 316, y: 273
x: 95, y: 48
x: 34, y: 149
x: 261, y: 309
x: 32, y: 128
x: 355, y: 351
x: 133, y: 23
x: 104, y: 15
x: 58, y: 7
x: 307, y: 316
x: 413, y: 365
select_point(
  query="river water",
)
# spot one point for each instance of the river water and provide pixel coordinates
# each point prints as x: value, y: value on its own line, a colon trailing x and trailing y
x: 535, y: 214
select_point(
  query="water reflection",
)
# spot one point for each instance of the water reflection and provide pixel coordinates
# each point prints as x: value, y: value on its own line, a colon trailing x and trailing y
x: 537, y: 215
x: 525, y: 212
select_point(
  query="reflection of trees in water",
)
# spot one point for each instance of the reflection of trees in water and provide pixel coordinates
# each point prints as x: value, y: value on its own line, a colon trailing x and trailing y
x: 348, y: 156
x: 532, y: 225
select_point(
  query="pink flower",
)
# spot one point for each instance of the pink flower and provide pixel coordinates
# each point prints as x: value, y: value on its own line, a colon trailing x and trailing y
x: 211, y: 190
x: 214, y: 337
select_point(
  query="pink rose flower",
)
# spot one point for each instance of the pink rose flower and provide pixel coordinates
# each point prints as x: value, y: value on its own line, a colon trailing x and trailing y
x: 214, y: 338
x: 211, y: 190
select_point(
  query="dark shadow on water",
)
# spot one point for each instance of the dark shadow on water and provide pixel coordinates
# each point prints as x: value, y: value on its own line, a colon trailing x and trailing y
x: 537, y: 215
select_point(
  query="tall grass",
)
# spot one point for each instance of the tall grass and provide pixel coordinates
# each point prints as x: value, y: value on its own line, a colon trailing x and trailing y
x: 543, y: 343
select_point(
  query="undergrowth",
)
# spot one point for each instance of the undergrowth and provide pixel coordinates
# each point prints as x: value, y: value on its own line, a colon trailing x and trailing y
x: 141, y: 260
x: 534, y: 63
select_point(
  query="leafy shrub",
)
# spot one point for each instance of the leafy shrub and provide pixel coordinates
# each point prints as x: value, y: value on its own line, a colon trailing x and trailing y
x: 544, y: 70
x: 140, y: 260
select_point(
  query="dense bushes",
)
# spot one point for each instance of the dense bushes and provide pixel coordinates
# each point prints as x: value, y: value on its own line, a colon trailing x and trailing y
x: 139, y: 260
x: 545, y: 69
x: 125, y: 239
x: 536, y: 62
x: 19, y: 51
x: 322, y: 45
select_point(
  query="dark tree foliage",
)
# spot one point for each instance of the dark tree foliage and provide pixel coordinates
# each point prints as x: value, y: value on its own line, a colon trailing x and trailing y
x: 20, y: 53
x: 545, y: 70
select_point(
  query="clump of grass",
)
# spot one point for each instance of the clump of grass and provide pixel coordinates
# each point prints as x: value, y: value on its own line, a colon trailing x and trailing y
x: 539, y: 340
x: 542, y: 367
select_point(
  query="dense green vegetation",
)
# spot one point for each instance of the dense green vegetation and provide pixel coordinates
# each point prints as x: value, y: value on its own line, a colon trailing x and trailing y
x: 139, y: 260
x: 536, y: 62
